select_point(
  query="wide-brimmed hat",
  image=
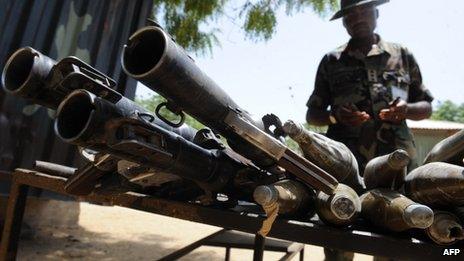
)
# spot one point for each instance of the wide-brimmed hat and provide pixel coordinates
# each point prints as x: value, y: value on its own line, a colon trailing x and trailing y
x: 346, y: 5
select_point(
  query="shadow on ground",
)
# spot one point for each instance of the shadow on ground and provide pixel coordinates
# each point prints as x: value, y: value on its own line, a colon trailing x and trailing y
x: 76, y: 243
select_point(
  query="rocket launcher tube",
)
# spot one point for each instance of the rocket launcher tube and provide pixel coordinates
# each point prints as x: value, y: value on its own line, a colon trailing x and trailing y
x: 26, y: 74
x: 34, y: 76
x: 153, y: 58
x: 86, y: 120
x: 89, y: 121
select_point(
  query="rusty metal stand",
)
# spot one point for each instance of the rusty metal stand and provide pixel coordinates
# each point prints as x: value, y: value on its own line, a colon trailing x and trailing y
x: 234, y: 239
x: 357, y: 239
x: 259, y: 247
x: 13, y: 220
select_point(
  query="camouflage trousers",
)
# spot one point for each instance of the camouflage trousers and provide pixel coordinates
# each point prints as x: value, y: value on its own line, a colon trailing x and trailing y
x: 375, y: 141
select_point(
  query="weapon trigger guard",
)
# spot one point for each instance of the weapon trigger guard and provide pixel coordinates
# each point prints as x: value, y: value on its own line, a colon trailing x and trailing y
x: 177, y: 112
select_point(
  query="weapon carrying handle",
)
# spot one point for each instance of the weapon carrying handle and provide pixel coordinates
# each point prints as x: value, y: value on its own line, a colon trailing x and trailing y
x: 176, y: 112
x: 77, y: 74
x: 89, y: 70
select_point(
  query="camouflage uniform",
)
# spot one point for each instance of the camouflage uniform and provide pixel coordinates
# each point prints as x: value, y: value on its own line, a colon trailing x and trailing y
x: 369, y: 82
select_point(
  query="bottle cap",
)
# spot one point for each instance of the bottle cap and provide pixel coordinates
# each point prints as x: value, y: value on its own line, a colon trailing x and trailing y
x: 418, y: 216
x: 265, y: 195
x: 343, y: 207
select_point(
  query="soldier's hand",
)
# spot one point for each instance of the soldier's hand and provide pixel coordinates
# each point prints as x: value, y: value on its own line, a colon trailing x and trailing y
x: 349, y: 115
x: 396, y: 113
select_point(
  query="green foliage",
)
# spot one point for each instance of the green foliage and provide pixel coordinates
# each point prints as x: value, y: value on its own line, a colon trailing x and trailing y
x: 318, y: 129
x: 291, y: 144
x: 260, y: 21
x: 153, y: 101
x: 186, y: 20
x: 449, y: 111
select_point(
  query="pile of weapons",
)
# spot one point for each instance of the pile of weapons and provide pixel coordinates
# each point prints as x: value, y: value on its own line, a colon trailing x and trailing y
x: 130, y: 148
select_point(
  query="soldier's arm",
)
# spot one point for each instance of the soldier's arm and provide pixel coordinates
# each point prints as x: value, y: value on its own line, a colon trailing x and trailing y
x: 419, y: 102
x: 418, y: 106
x: 319, y: 100
x: 419, y: 110
x: 318, y: 117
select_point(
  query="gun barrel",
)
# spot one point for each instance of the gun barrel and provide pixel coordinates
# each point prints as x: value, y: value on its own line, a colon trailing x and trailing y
x: 153, y: 58
x: 76, y: 119
x: 87, y: 120
x: 36, y: 77
x: 82, y: 116
x: 25, y: 74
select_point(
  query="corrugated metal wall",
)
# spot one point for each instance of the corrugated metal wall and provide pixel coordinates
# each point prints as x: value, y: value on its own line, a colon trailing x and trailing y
x: 94, y: 31
x: 427, y: 139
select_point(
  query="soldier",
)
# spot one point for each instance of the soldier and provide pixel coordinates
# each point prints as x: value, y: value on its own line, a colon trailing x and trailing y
x: 372, y: 87
x: 366, y: 89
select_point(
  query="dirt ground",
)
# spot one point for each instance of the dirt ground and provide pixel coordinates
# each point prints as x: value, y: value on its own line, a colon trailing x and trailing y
x: 115, y: 233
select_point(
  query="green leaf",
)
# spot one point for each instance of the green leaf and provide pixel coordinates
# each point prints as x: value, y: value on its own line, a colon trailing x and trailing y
x: 449, y: 111
x: 191, y: 22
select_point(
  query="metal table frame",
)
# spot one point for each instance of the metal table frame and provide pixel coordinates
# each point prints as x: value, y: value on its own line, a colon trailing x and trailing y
x: 355, y: 240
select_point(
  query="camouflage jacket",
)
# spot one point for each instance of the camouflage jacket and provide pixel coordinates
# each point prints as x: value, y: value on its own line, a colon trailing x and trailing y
x: 369, y: 82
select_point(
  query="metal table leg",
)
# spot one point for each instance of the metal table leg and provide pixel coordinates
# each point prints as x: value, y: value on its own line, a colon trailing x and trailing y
x: 13, y: 221
x: 259, y: 247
